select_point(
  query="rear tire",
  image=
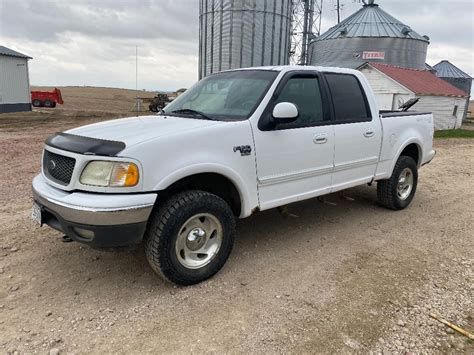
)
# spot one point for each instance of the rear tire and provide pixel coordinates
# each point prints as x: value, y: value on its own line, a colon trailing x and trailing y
x: 189, y: 238
x: 398, y: 191
x: 48, y: 103
x: 37, y: 103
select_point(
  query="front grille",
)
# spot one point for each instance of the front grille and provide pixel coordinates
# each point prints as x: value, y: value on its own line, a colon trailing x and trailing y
x: 58, y: 167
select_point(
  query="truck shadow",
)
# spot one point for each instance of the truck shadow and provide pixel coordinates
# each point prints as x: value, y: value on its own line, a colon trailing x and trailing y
x: 309, y: 214
x: 258, y: 237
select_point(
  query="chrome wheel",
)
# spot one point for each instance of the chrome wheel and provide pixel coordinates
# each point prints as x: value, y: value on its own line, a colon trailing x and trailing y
x: 199, y: 241
x: 405, y: 184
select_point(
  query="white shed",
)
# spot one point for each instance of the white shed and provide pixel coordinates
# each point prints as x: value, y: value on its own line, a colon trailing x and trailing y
x: 14, y: 81
x: 393, y: 86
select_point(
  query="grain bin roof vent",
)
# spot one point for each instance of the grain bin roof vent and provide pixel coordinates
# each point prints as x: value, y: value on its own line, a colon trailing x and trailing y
x: 406, y: 31
x: 370, y: 3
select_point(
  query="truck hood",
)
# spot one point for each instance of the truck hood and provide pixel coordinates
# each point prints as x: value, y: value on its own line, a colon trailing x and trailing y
x: 135, y: 130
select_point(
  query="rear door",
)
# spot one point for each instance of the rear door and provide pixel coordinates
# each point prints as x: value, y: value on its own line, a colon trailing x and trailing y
x: 358, y: 135
x: 295, y: 160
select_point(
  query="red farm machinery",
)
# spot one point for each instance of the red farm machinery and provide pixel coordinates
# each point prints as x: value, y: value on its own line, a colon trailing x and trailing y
x: 46, y: 98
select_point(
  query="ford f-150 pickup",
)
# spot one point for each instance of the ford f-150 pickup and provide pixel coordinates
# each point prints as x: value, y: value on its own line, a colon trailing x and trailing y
x: 237, y: 142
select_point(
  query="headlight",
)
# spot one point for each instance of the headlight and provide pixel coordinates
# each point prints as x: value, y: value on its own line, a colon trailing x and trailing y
x: 108, y: 173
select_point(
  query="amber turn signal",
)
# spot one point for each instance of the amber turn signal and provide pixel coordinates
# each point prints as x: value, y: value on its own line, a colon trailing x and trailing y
x: 125, y: 174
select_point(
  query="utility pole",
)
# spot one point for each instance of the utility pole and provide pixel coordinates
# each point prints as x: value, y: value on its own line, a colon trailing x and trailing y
x: 136, y: 69
x: 138, y: 101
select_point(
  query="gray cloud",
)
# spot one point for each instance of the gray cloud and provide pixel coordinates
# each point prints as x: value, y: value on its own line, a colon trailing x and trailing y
x: 92, y: 42
x: 43, y: 20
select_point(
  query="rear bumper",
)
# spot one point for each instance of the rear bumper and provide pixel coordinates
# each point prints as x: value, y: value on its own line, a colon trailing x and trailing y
x: 99, y: 220
x: 430, y: 157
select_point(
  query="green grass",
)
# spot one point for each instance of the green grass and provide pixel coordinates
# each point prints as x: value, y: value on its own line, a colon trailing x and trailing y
x: 454, y: 133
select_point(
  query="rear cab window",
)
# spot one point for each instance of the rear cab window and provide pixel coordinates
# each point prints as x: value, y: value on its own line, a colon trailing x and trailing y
x: 348, y: 98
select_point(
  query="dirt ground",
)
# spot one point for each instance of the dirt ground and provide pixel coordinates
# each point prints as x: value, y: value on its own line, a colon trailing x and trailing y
x: 350, y: 277
x: 86, y: 98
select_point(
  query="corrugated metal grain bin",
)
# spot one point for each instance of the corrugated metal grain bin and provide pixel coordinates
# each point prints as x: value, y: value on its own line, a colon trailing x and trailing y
x: 456, y: 77
x: 243, y: 33
x: 370, y: 35
x: 453, y: 75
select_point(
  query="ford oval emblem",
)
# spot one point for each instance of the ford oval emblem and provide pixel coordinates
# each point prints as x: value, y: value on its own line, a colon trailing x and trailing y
x: 52, y: 165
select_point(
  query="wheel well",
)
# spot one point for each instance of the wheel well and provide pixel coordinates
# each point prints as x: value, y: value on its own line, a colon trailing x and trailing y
x: 211, y: 182
x: 413, y: 151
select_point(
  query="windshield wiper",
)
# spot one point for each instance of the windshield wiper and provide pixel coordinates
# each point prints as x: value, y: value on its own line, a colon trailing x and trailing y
x: 193, y: 113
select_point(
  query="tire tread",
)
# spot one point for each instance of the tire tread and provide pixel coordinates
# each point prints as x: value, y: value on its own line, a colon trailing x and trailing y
x: 155, y: 247
x: 386, y: 195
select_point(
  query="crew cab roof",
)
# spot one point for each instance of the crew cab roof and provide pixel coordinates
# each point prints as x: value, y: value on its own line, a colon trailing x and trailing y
x: 288, y: 68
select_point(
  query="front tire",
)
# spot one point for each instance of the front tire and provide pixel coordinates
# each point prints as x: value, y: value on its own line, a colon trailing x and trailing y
x: 398, y: 191
x: 189, y: 238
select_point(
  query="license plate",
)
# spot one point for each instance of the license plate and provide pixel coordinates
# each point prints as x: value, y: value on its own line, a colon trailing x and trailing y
x: 36, y: 213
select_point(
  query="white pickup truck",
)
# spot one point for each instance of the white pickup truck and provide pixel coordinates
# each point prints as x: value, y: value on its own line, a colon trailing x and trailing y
x: 236, y: 143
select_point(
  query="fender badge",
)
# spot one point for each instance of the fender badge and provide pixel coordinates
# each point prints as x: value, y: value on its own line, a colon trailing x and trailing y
x: 243, y: 149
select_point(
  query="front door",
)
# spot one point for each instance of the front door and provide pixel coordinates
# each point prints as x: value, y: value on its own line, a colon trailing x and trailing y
x: 295, y: 160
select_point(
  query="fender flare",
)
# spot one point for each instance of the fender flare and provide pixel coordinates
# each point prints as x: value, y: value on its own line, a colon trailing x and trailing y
x: 233, y: 176
x: 402, y: 148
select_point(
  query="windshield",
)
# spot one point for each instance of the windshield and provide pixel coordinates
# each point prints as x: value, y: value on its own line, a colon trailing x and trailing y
x: 228, y: 96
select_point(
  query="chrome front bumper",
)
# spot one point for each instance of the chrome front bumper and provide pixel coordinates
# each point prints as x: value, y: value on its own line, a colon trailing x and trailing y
x: 92, y: 208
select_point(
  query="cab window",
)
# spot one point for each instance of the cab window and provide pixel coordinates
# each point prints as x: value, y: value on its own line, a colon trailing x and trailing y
x: 348, y: 98
x: 305, y: 93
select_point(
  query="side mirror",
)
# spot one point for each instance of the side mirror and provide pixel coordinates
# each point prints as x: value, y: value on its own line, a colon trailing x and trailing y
x: 285, y: 112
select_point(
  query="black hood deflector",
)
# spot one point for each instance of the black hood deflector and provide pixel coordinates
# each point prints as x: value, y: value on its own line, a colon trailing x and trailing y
x: 85, y: 145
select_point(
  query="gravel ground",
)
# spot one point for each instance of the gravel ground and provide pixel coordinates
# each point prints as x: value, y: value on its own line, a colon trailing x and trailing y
x: 350, y: 277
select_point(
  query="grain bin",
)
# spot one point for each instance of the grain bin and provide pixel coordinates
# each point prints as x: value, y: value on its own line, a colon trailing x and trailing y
x: 243, y: 33
x: 456, y: 77
x: 370, y: 35
x: 453, y: 75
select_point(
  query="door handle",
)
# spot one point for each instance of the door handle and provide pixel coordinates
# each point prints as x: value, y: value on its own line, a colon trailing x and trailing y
x: 320, y: 139
x: 369, y: 133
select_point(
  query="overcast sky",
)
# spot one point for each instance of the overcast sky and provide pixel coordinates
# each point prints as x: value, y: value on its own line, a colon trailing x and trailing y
x: 92, y: 42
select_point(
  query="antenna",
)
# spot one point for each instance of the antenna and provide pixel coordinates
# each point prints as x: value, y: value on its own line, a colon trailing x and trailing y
x: 305, y: 26
x: 136, y: 69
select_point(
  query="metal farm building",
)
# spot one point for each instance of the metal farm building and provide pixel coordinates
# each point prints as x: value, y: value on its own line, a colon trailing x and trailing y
x: 370, y: 34
x: 394, y: 86
x: 243, y: 33
x: 14, y: 81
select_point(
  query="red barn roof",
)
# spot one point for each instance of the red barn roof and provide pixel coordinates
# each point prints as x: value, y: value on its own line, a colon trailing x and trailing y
x: 420, y: 82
